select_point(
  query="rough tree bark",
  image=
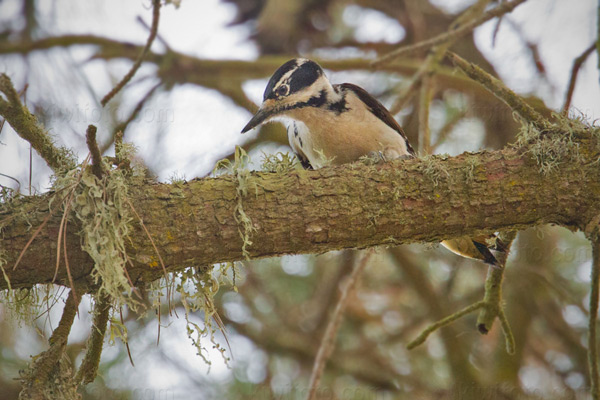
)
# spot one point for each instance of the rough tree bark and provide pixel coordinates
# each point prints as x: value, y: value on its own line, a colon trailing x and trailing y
x: 194, y: 223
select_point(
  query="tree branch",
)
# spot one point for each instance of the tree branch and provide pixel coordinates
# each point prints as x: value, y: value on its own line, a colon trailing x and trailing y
x: 451, y: 35
x: 26, y: 126
x: 328, y: 341
x: 355, y: 205
x: 574, y: 72
x: 89, y: 366
x: 177, y: 67
x: 498, y: 88
x: 138, y: 62
x: 48, y: 376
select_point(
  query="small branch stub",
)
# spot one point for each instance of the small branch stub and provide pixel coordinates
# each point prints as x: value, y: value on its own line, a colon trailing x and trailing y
x: 90, y: 139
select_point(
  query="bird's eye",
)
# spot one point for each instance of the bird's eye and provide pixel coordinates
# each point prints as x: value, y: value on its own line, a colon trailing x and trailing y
x: 282, y: 90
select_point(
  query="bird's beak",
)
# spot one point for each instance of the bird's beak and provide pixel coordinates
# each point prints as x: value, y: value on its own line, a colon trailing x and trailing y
x: 261, y: 116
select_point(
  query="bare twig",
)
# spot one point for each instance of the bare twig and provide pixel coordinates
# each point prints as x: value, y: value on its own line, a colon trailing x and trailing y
x: 14, y: 179
x: 138, y: 108
x: 498, y: 88
x: 328, y: 341
x: 451, y: 35
x: 443, y: 322
x: 431, y: 62
x: 592, y: 339
x: 90, y: 139
x: 574, y: 72
x: 424, y: 106
x: 447, y: 128
x: 126, y: 341
x: 435, y: 55
x: 138, y: 62
x: 158, y: 36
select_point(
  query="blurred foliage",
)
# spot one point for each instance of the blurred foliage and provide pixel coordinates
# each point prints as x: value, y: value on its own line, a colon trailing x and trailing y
x: 281, y: 306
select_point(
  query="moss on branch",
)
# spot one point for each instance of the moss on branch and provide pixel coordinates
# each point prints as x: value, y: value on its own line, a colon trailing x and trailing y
x: 194, y: 223
x: 26, y: 126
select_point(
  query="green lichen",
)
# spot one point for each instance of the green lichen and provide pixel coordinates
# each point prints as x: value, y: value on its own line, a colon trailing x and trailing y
x: 559, y: 143
x: 471, y: 164
x: 280, y: 163
x: 24, y: 305
x: 197, y: 288
x: 434, y: 169
x: 105, y: 213
x: 552, y: 147
x: 176, y: 179
x: 239, y: 169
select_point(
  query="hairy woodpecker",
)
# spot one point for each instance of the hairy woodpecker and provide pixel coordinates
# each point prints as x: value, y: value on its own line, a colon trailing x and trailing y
x: 338, y: 124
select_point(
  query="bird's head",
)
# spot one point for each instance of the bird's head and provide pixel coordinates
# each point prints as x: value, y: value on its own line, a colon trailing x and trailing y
x: 297, y: 83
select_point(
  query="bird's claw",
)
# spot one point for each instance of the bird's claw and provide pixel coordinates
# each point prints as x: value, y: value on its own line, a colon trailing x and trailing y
x: 374, y: 157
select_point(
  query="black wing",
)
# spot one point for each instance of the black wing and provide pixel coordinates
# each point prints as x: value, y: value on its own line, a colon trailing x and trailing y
x: 378, y: 110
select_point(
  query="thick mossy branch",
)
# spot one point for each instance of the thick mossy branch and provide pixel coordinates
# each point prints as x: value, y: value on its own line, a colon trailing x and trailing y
x: 197, y: 222
x: 26, y: 126
x: 49, y: 375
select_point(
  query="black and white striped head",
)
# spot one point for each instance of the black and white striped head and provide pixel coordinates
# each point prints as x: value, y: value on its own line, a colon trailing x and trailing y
x: 297, y: 83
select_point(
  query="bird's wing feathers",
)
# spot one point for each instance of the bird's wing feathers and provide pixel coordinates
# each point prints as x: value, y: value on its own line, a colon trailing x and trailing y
x: 378, y: 110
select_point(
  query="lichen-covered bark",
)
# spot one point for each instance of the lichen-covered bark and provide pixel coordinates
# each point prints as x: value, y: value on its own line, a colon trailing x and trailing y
x: 356, y: 205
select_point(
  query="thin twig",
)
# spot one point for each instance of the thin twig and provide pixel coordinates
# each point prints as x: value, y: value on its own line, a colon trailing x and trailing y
x: 62, y: 230
x: 498, y: 88
x: 451, y: 35
x: 138, y: 108
x: 138, y: 62
x: 424, y: 106
x: 509, y: 338
x: 592, y: 339
x: 443, y: 322
x: 328, y: 341
x: 447, y: 128
x: 574, y: 72
x: 67, y: 266
x: 435, y: 56
x: 126, y: 340
x: 14, y: 179
x: 158, y: 36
